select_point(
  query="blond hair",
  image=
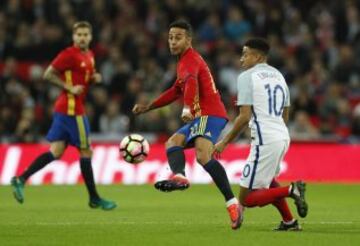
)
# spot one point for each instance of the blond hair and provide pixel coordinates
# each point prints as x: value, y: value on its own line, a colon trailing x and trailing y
x: 82, y: 24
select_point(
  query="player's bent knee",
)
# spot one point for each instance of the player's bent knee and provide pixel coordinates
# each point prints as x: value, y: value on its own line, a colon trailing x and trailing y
x: 57, y: 154
x: 87, y: 153
x: 57, y: 151
x: 202, y: 160
x: 202, y: 157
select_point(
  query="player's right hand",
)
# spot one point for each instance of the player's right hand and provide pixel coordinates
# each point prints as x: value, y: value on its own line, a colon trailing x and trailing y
x: 218, y: 148
x: 186, y: 115
x: 140, y: 109
x: 76, y: 89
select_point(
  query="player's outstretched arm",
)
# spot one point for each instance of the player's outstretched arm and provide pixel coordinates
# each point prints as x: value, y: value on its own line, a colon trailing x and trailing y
x: 164, y: 99
x: 52, y: 76
x: 241, y: 121
x: 140, y: 109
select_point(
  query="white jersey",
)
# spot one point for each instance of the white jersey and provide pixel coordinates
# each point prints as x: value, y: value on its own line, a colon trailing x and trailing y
x: 264, y: 88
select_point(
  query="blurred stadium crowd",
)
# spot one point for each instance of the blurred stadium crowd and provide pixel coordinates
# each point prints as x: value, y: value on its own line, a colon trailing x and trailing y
x: 316, y: 45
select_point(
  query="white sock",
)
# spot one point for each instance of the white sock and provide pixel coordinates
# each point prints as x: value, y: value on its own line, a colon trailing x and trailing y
x: 289, y: 222
x: 231, y: 202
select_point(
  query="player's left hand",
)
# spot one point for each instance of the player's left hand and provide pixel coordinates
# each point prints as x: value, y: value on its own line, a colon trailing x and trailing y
x: 96, y: 78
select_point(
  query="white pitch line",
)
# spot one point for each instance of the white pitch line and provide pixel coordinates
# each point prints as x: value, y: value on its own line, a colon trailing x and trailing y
x: 166, y: 222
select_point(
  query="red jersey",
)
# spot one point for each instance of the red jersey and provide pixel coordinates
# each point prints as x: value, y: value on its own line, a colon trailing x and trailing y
x: 76, y: 68
x: 196, y: 84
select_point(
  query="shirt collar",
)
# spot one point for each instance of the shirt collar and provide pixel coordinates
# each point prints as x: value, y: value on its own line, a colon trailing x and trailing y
x: 185, y: 52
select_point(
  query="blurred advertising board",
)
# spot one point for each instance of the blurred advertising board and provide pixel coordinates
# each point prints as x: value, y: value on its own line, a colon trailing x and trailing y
x: 309, y: 162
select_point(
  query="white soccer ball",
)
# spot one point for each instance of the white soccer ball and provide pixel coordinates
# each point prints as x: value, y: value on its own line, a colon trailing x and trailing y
x: 134, y: 148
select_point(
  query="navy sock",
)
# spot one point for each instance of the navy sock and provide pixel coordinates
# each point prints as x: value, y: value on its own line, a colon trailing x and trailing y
x: 87, y: 173
x: 176, y: 158
x: 40, y: 162
x: 218, y: 174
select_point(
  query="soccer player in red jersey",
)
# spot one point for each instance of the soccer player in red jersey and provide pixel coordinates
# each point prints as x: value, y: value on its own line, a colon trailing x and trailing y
x: 73, y: 70
x: 203, y: 113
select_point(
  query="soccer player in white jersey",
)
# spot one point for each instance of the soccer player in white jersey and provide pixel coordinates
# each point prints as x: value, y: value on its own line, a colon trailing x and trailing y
x: 264, y: 100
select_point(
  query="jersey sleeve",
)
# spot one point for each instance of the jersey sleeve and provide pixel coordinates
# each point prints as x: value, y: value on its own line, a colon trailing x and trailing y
x: 166, y: 97
x: 245, y: 90
x: 188, y: 74
x: 63, y: 61
x: 190, y: 91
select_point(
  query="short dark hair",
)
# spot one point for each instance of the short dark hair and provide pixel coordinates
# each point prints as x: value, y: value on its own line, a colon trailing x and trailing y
x: 258, y: 44
x: 82, y: 24
x: 183, y: 24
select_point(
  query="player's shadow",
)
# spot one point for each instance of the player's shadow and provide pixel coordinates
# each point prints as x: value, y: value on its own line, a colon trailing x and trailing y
x: 326, y: 231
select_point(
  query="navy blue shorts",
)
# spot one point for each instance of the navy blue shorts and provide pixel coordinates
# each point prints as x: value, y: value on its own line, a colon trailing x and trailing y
x: 208, y: 127
x: 74, y: 130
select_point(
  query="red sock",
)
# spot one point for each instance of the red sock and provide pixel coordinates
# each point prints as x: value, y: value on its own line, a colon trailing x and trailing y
x: 265, y: 196
x: 282, y: 205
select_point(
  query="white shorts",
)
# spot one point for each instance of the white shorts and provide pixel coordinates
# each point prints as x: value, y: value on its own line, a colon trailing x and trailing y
x: 263, y: 164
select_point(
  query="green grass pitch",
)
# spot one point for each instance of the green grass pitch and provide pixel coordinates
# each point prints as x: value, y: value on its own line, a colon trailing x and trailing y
x: 59, y: 215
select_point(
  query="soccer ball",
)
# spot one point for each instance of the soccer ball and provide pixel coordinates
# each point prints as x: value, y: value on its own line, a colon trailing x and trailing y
x: 134, y: 148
